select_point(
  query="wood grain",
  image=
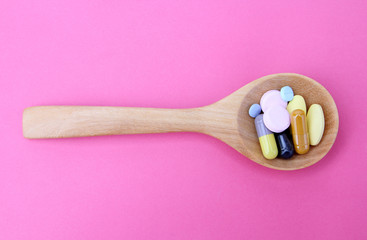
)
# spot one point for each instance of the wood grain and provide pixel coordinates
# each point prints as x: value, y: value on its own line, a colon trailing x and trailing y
x: 227, y: 120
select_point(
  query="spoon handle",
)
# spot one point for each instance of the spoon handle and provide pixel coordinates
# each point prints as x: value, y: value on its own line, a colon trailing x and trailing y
x: 82, y: 121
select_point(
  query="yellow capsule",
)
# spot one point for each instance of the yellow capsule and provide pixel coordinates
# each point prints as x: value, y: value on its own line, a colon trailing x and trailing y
x: 299, y: 131
x: 266, y: 138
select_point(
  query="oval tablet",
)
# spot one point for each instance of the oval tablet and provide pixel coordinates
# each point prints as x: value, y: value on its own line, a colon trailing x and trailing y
x: 254, y: 110
x: 276, y: 119
x: 298, y: 102
x: 270, y: 98
x: 315, y: 123
x: 286, y: 93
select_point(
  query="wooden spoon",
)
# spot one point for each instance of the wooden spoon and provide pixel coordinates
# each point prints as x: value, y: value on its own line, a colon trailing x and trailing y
x: 227, y: 120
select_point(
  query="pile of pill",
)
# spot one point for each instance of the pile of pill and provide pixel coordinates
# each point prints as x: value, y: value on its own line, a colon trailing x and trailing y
x: 283, y: 127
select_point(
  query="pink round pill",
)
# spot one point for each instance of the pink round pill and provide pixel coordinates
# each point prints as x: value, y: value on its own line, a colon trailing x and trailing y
x: 271, y: 98
x: 277, y: 119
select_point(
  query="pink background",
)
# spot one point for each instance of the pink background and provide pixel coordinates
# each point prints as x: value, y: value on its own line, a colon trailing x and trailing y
x: 176, y: 54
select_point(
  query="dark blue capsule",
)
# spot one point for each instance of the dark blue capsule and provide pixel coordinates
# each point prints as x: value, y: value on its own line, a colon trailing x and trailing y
x: 285, y: 145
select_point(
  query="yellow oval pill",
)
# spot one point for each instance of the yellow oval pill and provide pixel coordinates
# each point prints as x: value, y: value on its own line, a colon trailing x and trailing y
x: 298, y: 102
x: 315, y: 123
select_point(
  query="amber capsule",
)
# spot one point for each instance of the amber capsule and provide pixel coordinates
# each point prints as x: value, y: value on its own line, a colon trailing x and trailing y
x: 299, y: 131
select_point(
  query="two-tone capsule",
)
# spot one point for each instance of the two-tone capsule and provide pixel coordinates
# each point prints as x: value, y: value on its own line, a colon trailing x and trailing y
x: 266, y: 138
x: 299, y: 131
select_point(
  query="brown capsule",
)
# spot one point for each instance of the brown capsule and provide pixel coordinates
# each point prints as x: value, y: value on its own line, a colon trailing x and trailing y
x: 300, y: 132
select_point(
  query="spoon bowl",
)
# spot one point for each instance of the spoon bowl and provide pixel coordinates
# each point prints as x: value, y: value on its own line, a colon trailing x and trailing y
x: 247, y: 141
x: 228, y: 120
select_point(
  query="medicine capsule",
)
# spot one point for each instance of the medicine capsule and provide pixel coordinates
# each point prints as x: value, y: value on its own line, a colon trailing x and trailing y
x: 266, y: 139
x: 285, y: 145
x: 299, y: 131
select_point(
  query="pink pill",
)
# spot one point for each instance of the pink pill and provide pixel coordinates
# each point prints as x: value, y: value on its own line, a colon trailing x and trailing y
x: 271, y: 98
x: 277, y: 119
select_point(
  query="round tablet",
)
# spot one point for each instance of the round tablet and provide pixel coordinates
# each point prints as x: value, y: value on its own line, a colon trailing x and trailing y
x: 286, y: 93
x: 271, y: 98
x: 254, y: 110
x: 276, y: 119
